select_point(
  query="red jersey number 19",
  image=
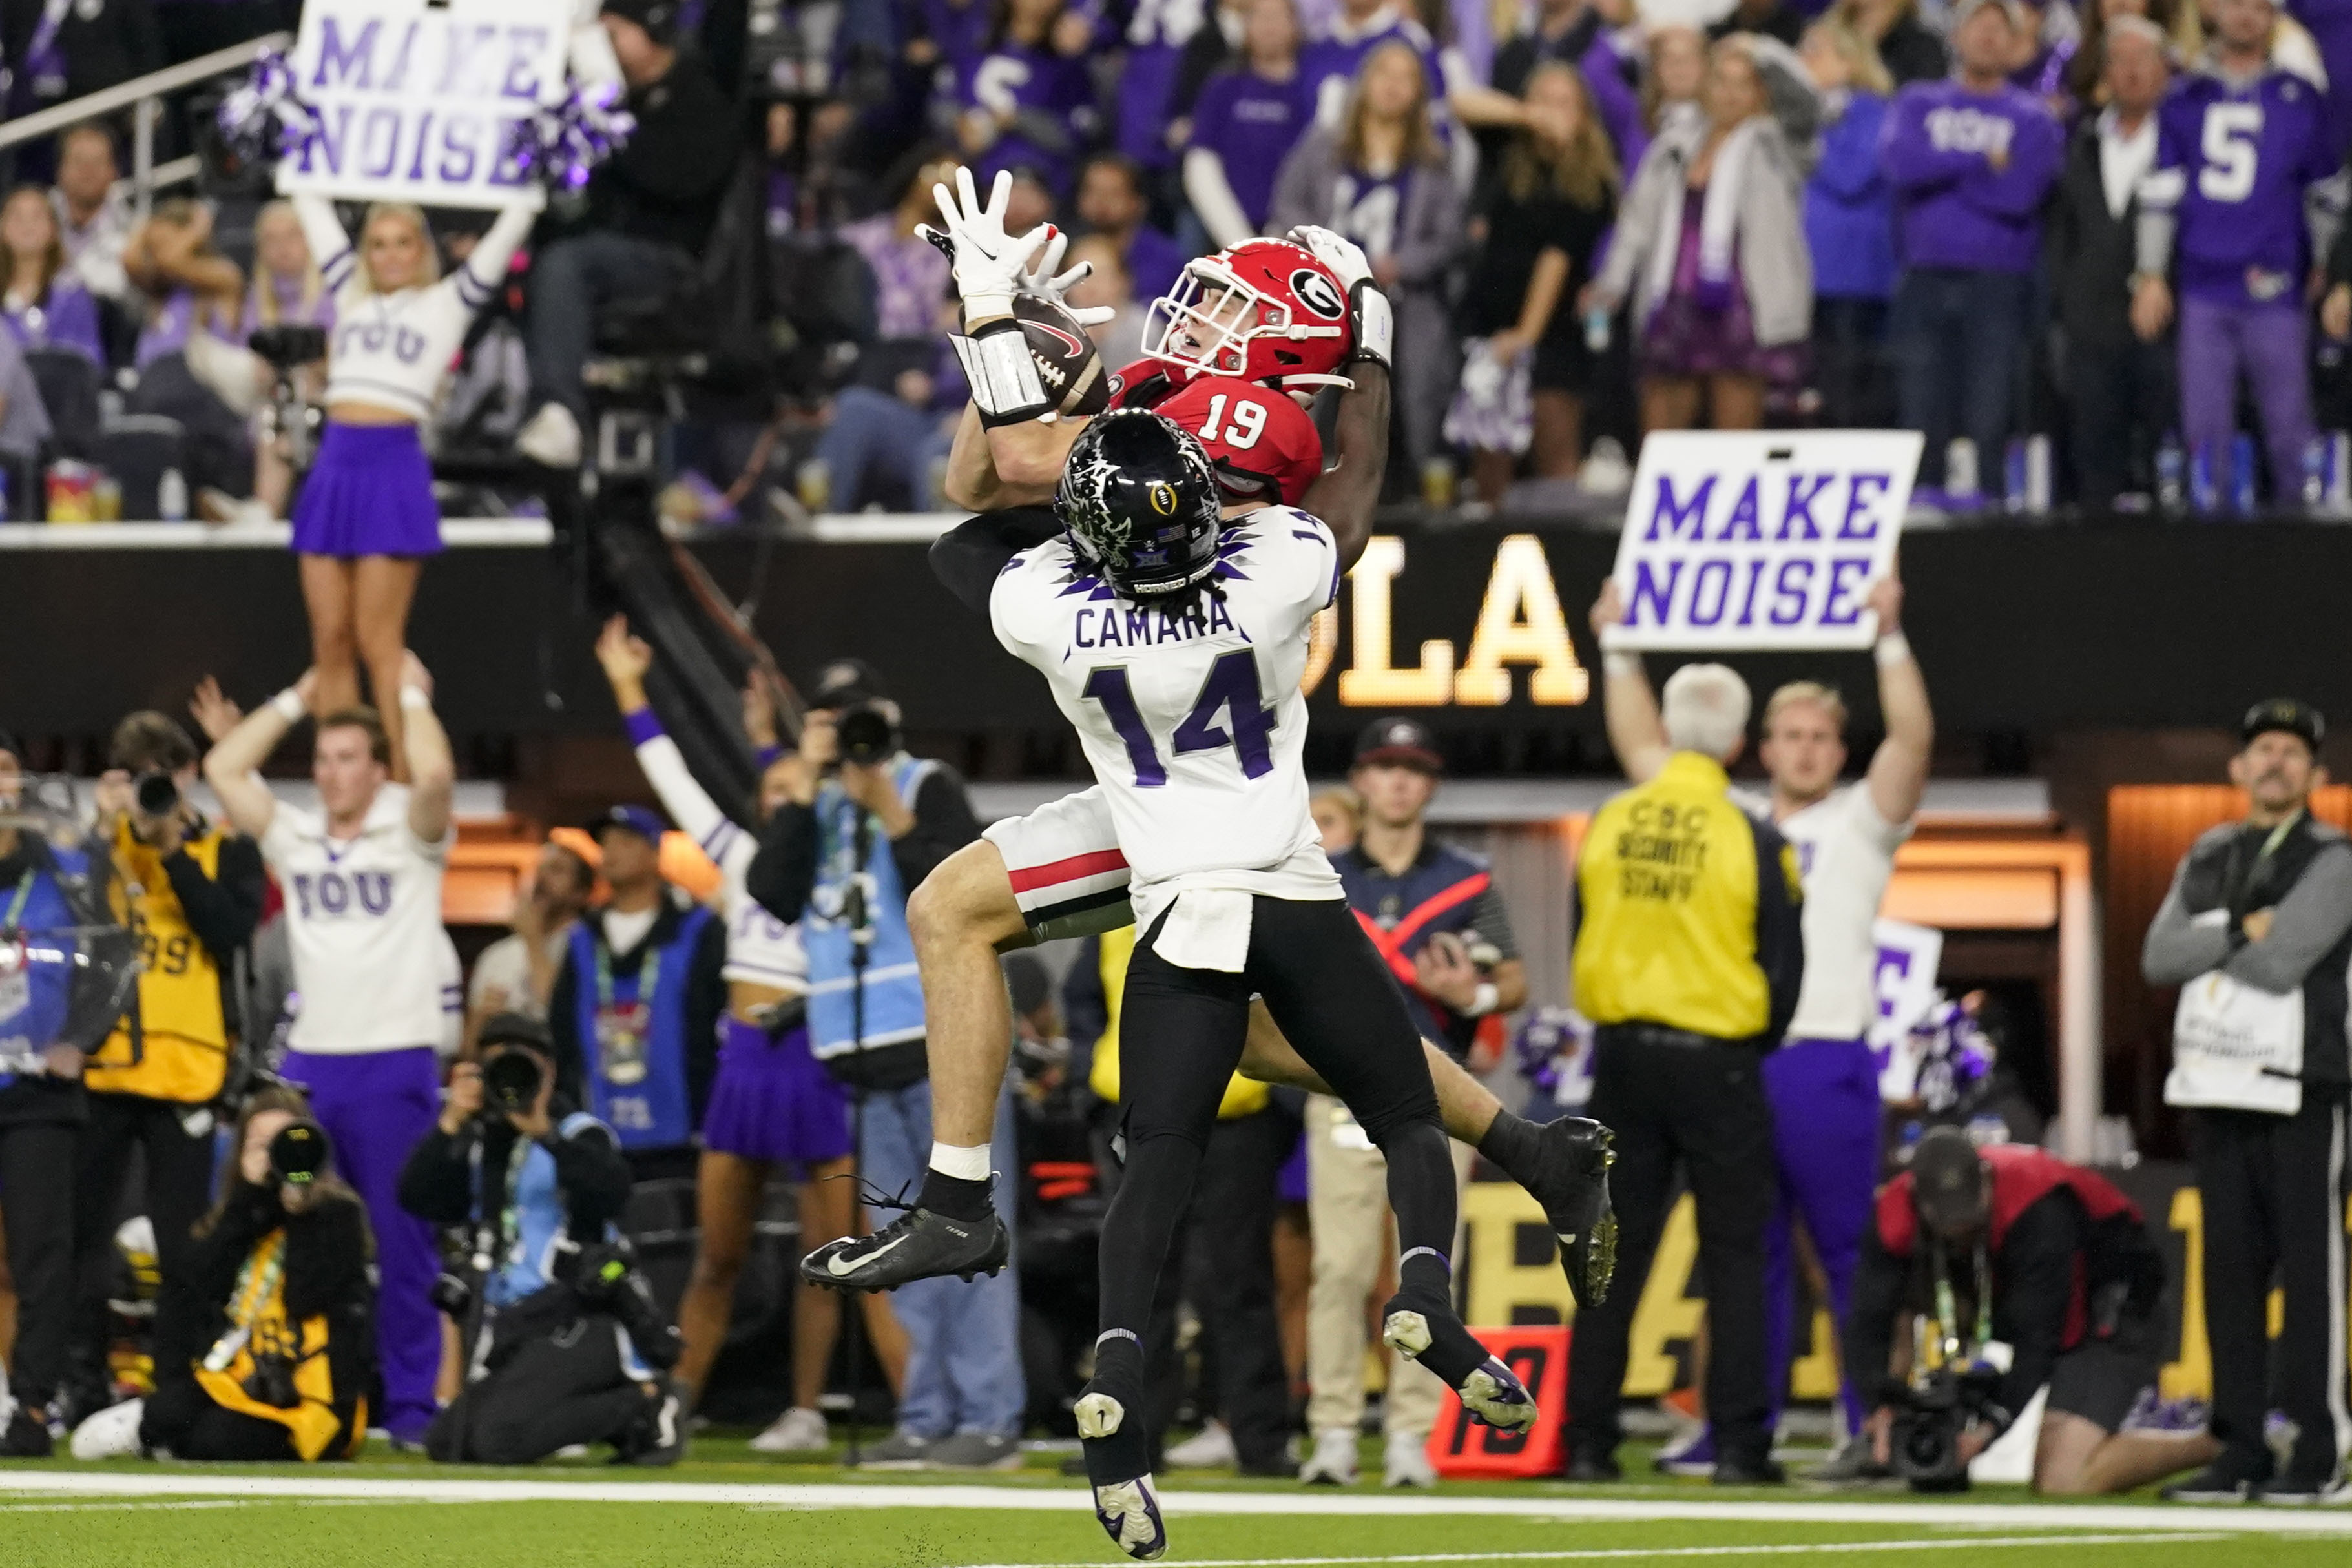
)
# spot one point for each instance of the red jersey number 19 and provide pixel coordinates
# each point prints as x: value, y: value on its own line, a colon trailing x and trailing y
x: 1242, y: 431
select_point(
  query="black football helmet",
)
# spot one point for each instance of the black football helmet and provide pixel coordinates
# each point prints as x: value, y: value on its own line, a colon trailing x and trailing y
x: 1139, y: 503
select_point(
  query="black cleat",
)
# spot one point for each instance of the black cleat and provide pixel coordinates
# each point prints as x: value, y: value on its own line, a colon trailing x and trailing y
x: 918, y: 1244
x: 1592, y: 1467
x: 2233, y: 1476
x: 1571, y: 1179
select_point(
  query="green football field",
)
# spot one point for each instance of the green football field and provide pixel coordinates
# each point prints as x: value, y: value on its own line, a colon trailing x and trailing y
x: 725, y: 1507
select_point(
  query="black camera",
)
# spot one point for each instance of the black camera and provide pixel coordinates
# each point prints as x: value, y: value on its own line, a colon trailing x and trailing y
x: 287, y: 346
x: 299, y: 1154
x: 156, y: 793
x: 607, y: 1279
x: 1929, y: 1423
x: 868, y: 732
x: 511, y: 1082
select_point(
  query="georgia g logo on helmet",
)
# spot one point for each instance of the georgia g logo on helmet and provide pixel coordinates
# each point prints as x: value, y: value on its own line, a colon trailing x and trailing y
x: 1316, y: 293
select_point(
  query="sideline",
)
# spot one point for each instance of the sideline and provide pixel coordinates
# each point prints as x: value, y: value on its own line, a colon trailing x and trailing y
x: 1650, y: 1554
x: 2238, y: 1520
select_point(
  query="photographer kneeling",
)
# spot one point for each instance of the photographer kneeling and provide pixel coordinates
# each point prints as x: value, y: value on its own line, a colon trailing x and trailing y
x: 278, y: 1277
x: 564, y: 1343
x: 2073, y: 1281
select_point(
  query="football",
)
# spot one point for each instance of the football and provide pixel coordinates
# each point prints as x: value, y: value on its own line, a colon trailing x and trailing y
x: 1067, y: 365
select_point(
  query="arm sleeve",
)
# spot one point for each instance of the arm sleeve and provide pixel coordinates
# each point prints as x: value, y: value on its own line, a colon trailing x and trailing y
x: 784, y: 872
x: 1780, y: 927
x: 944, y: 823
x: 326, y: 1258
x: 331, y: 247
x: 2159, y: 194
x: 2180, y: 946
x: 1211, y: 195
x: 1848, y: 165
x: 1869, y: 1330
x: 706, y: 1004
x: 221, y: 911
x: 969, y: 558
x: 486, y: 268
x: 2311, y: 919
x: 1492, y: 919
x: 2034, y: 1286
x: 594, y: 1177
x: 684, y: 798
x: 436, y: 1185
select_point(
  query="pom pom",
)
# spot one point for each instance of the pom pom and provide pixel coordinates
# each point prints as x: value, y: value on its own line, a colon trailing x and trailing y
x: 561, y: 146
x: 266, y: 117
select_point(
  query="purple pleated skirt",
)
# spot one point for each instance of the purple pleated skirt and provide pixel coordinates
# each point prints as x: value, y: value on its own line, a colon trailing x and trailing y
x: 370, y: 493
x: 771, y: 1100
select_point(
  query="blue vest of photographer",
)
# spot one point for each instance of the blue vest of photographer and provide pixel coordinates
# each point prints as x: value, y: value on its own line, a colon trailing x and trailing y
x: 632, y: 1032
x: 532, y: 1227
x: 36, y: 990
x: 894, y: 990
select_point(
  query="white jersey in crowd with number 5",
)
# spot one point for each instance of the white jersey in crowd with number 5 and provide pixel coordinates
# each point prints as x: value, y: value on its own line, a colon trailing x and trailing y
x: 1191, y: 718
x: 1846, y: 853
x: 372, y: 963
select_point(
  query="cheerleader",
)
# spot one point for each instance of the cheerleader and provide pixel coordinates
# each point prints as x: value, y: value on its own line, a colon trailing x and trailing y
x: 366, y: 518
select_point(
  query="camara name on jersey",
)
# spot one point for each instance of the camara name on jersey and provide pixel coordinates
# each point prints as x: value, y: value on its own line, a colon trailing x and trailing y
x: 1117, y: 625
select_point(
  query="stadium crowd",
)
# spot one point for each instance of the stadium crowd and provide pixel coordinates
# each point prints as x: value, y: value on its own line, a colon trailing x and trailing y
x: 427, y: 1185
x: 1987, y: 223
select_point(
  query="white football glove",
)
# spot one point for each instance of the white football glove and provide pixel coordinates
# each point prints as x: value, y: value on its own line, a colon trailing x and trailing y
x: 1336, y: 251
x: 1043, y: 282
x: 989, y: 263
x: 1372, y: 323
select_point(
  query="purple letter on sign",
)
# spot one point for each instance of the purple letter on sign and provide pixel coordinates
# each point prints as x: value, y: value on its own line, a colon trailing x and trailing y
x: 1837, y: 607
x: 1675, y: 518
x: 1661, y: 596
x: 1868, y: 488
x: 335, y: 58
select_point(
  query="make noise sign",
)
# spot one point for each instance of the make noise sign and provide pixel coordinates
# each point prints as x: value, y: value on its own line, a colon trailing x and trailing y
x: 1761, y: 540
x: 419, y: 101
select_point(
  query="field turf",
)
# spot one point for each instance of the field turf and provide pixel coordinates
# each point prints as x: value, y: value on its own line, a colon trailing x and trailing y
x: 728, y: 1508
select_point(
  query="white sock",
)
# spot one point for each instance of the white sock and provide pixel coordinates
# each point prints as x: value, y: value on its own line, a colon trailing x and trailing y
x: 965, y: 1165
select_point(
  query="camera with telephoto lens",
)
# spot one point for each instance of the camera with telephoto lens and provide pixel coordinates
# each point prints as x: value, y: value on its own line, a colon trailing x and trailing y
x: 1928, y: 1422
x: 868, y: 732
x: 287, y: 346
x: 156, y: 793
x: 511, y: 1082
x: 298, y: 1154
x: 607, y: 1279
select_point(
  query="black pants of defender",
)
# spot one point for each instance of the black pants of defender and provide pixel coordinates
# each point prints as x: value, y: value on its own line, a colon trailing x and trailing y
x: 1229, y: 1240
x: 183, y: 1419
x: 1701, y: 1104
x: 36, y: 1206
x: 1181, y: 1036
x: 562, y: 1388
x: 179, y: 1187
x: 2273, y: 1194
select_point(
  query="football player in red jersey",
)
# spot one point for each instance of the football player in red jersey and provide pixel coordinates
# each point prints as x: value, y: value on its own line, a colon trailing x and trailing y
x: 1243, y: 335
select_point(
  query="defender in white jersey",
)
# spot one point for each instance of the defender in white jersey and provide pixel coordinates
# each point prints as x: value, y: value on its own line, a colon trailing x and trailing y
x: 1060, y: 870
x: 1822, y: 1084
x: 771, y: 1105
x: 1161, y: 631
x: 374, y: 969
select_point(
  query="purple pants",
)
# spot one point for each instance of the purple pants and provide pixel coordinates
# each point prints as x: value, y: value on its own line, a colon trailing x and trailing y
x: 1825, y: 1118
x: 376, y: 1108
x: 2219, y: 341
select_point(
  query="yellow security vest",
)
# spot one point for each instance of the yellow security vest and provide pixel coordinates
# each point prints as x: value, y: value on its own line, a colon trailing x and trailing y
x: 1243, y: 1096
x: 173, y: 1045
x: 1666, y: 889
x: 257, y: 1327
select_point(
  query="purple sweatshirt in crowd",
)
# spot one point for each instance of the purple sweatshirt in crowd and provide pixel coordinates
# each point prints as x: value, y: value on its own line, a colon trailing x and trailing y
x: 1953, y: 208
x: 2235, y: 163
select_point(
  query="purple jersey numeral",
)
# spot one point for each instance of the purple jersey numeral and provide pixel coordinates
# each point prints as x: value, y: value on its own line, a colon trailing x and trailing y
x: 1232, y: 689
x: 1109, y: 687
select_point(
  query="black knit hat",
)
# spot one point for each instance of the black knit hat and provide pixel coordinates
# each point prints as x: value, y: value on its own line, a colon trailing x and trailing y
x: 657, y: 18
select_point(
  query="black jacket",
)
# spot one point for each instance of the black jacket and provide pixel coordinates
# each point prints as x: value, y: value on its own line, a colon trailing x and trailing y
x: 667, y: 180
x: 438, y: 1182
x: 783, y: 874
x: 2092, y: 253
x: 706, y: 1001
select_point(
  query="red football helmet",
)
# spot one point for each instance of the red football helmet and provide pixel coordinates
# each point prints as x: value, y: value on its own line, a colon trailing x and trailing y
x: 1266, y: 311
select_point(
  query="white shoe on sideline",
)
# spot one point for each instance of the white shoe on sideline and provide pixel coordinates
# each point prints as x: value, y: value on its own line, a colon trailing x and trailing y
x: 1333, y: 1462
x: 112, y: 1433
x: 799, y: 1430
x: 1405, y: 1463
x: 1210, y: 1449
x: 550, y: 437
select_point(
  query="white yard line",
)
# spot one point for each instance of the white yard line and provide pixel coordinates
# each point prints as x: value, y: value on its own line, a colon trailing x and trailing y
x: 553, y: 1487
x: 1648, y: 1553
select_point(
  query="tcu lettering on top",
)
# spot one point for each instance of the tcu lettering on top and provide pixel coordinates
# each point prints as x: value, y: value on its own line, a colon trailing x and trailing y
x: 369, y: 337
x: 333, y: 893
x: 1969, y: 131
